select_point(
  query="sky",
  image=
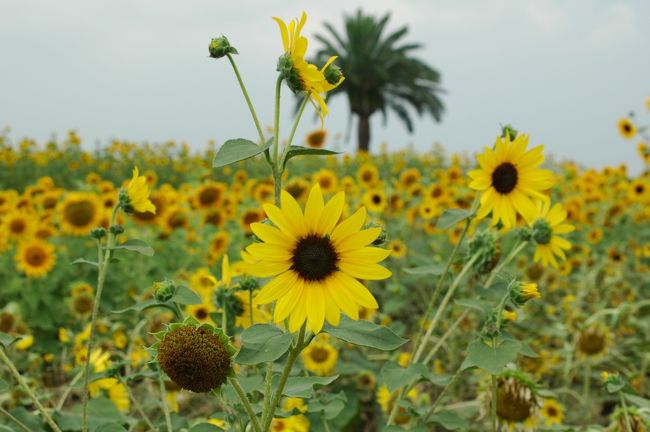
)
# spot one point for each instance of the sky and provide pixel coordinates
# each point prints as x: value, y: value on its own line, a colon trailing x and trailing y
x: 563, y: 71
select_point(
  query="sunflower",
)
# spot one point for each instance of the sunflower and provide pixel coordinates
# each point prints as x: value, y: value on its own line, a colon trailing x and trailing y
x: 35, y: 258
x: 639, y: 191
x: 552, y: 412
x: 202, y: 311
x: 368, y: 175
x: 249, y: 217
x: 626, y: 128
x: 327, y: 180
x: 314, y: 260
x: 547, y: 227
x: 320, y: 357
x: 509, y: 178
x: 375, y: 200
x: 79, y: 213
x: 409, y: 177
x: 316, y: 139
x: 137, y: 195
x: 210, y: 195
x: 397, y: 248
x: 17, y: 225
x: 595, y: 236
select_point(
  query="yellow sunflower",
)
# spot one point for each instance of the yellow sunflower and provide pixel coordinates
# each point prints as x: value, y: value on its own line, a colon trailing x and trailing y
x: 320, y: 357
x: 552, y: 412
x: 547, y: 227
x: 314, y: 260
x: 138, y: 193
x: 35, y: 258
x: 17, y: 225
x: 210, y: 195
x: 327, y: 180
x: 509, y: 178
x: 316, y: 139
x: 79, y: 213
x: 626, y: 128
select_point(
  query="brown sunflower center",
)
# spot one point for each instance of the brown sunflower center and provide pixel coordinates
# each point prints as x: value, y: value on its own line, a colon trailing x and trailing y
x: 35, y: 256
x: 209, y: 196
x: 627, y: 128
x: 376, y: 199
x: 79, y: 213
x: 639, y: 189
x: 551, y: 412
x: 314, y: 258
x: 319, y: 355
x: 504, y: 178
x: 201, y: 314
x: 17, y: 226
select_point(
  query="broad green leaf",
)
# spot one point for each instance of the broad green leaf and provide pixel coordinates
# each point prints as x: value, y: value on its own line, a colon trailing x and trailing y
x: 136, y: 245
x: 451, y: 217
x: 433, y: 269
x: 491, y: 359
x: 365, y: 333
x: 525, y: 349
x: 6, y: 339
x: 205, y: 427
x: 330, y: 405
x: 449, y: 420
x: 303, y: 387
x: 303, y: 151
x: 262, y: 343
x: 101, y: 411
x: 110, y: 427
x: 32, y: 421
x: 638, y: 401
x: 186, y: 296
x: 238, y: 149
x: 84, y: 261
x: 396, y: 376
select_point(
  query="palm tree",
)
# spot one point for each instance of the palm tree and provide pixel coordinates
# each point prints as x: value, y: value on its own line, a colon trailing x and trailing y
x: 380, y: 74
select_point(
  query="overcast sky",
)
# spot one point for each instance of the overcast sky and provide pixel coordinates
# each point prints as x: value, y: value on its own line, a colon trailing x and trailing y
x: 563, y: 70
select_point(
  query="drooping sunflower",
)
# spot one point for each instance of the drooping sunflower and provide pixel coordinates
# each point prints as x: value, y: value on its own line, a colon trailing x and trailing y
x: 79, y: 213
x: 35, y: 258
x: 509, y: 179
x: 314, y: 260
x: 547, y: 227
x: 626, y: 128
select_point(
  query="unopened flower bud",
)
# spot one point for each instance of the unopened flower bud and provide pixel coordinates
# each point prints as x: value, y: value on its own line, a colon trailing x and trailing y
x: 221, y: 47
x: 524, y: 292
x: 542, y: 232
x: 333, y: 74
x: 164, y: 291
x: 508, y: 130
x: 116, y: 229
x: 98, y: 233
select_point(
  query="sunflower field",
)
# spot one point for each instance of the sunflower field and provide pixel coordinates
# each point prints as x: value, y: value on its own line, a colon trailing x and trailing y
x: 262, y: 285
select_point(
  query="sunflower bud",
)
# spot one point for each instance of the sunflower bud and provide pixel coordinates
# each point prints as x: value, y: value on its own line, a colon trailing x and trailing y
x: 290, y: 74
x: 221, y: 47
x: 164, y: 291
x: 333, y: 74
x: 508, y: 130
x: 542, y: 232
x: 98, y: 233
x: 524, y: 292
x: 197, y: 358
x: 484, y: 245
x: 116, y: 229
x: 249, y: 284
x: 383, y: 235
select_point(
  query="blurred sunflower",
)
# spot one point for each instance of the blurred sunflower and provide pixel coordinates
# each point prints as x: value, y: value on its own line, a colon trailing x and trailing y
x: 368, y: 175
x: 626, y: 128
x: 314, y: 260
x: 547, y: 227
x: 639, y: 191
x: 316, y: 139
x: 79, y: 213
x: 17, y: 225
x: 320, y: 357
x: 35, y: 258
x: 509, y: 179
x: 327, y: 180
x: 552, y: 412
x: 210, y: 195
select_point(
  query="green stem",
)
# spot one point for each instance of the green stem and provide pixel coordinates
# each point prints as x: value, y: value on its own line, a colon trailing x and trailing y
x: 14, y: 372
x: 326, y: 426
x: 444, y: 337
x: 628, y: 423
x: 20, y: 424
x: 440, y: 397
x: 68, y: 390
x: 494, y: 402
x: 224, y: 318
x: 163, y: 398
x: 250, y: 305
x: 268, y: 379
x: 136, y: 404
x: 586, y: 384
x: 248, y: 99
x: 103, y: 262
x: 293, y: 129
x: 513, y: 253
x: 247, y: 405
x: 276, y: 126
x: 293, y: 355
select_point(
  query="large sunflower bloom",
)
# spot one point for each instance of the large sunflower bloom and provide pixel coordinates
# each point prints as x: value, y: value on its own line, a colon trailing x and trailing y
x: 314, y: 260
x: 547, y: 227
x: 509, y: 178
x: 309, y: 78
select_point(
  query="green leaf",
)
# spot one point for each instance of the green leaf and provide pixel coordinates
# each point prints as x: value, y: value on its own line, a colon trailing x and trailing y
x: 32, y: 421
x: 303, y: 387
x: 365, y: 333
x: 638, y: 401
x: 526, y: 350
x: 262, y: 343
x: 396, y: 376
x: 238, y: 149
x: 330, y: 405
x: 295, y: 150
x: 101, y: 411
x: 138, y: 307
x: 433, y: 269
x: 136, y: 245
x: 84, y: 261
x: 6, y: 339
x: 491, y: 359
x: 186, y: 296
x: 110, y: 427
x: 449, y: 420
x: 4, y: 385
x: 451, y: 217
x: 205, y: 427
x: 481, y: 305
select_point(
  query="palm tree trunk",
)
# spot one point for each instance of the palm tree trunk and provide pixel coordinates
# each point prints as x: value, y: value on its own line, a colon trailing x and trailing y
x: 363, y: 130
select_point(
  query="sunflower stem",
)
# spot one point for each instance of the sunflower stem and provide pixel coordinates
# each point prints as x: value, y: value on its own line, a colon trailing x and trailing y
x: 21, y: 381
x: 494, y: 402
x: 136, y: 404
x: 20, y: 424
x: 224, y: 319
x: 267, y: 388
x: 248, y: 99
x: 103, y: 262
x: 326, y: 426
x: 444, y: 337
x: 163, y: 400
x: 68, y: 390
x: 628, y: 423
x: 293, y: 355
x: 439, y: 398
x: 247, y: 405
x: 276, y: 128
x: 513, y: 253
x: 293, y: 130
x: 586, y: 384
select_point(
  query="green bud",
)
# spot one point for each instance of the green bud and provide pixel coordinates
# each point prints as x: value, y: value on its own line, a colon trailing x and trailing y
x: 249, y: 284
x: 508, y: 130
x: 125, y: 202
x: 542, y: 232
x: 484, y: 245
x: 98, y: 233
x: 116, y: 229
x: 220, y: 47
x: 290, y: 75
x: 164, y: 291
x: 333, y: 74
x: 383, y: 236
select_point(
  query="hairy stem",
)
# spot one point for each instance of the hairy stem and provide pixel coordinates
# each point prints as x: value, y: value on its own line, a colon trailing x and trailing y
x: 247, y: 405
x: 248, y: 99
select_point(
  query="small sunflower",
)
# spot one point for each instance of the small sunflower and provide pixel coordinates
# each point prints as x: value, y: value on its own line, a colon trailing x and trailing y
x: 509, y: 179
x: 316, y: 139
x: 375, y: 200
x: 210, y: 195
x: 397, y: 248
x: 79, y: 213
x: 639, y: 191
x: 626, y: 128
x: 552, y: 412
x: 314, y: 260
x: 320, y: 357
x: 368, y: 175
x: 327, y: 180
x: 594, y: 341
x: 35, y: 258
x: 547, y: 228
x: 17, y: 225
x: 137, y: 194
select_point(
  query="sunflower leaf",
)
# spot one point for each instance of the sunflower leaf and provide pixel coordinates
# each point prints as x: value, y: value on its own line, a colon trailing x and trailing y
x: 84, y: 261
x: 396, y: 376
x: 305, y: 151
x: 205, y: 427
x: 491, y: 359
x: 136, y: 245
x: 365, y: 333
x: 262, y: 343
x: 186, y: 296
x: 303, y: 387
x: 433, y: 269
x: 6, y: 340
x: 236, y: 150
x: 449, y: 420
x: 451, y: 217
